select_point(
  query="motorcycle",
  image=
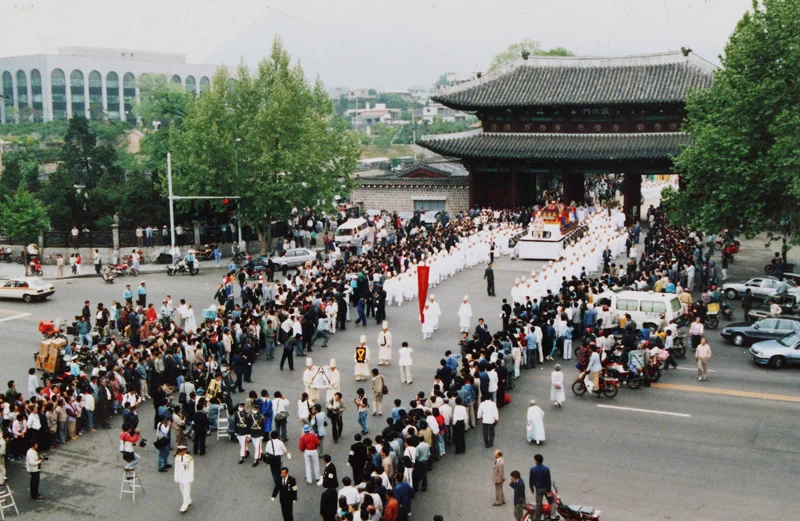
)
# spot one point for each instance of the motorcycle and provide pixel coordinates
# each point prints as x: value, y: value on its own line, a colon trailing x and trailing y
x: 608, y: 386
x: 108, y: 274
x: 121, y: 270
x: 567, y: 512
x: 36, y: 267
x: 631, y: 379
x: 6, y: 255
x: 716, y: 309
x: 206, y: 253
x: 49, y: 330
x: 128, y: 259
x: 182, y: 267
x: 679, y: 346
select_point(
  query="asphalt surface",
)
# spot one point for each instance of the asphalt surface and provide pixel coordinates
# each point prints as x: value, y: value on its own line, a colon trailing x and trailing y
x: 715, y: 456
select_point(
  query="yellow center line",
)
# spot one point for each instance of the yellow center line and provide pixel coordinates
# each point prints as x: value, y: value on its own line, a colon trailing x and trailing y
x: 729, y: 392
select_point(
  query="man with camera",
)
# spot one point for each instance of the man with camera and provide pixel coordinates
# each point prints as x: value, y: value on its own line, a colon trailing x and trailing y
x: 162, y: 443
x: 127, y: 444
x: 33, y: 464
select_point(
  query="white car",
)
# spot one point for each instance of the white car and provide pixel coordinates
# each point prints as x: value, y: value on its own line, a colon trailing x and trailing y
x: 761, y: 287
x: 26, y: 288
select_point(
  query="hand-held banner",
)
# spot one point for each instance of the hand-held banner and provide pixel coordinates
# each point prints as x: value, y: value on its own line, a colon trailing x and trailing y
x: 422, y: 285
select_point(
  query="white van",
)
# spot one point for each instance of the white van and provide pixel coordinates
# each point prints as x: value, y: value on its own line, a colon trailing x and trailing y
x: 644, y: 307
x: 350, y: 229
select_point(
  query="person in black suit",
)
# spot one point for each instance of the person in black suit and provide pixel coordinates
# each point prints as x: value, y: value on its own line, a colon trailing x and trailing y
x: 200, y: 425
x: 287, y: 488
x: 329, y: 476
x: 329, y: 504
x: 357, y: 459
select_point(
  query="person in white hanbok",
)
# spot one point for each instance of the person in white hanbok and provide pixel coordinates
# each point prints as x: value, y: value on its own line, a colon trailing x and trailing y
x: 385, y: 345
x: 435, y: 312
x: 427, y: 326
x: 464, y: 315
x: 191, y: 322
x: 535, y: 430
x: 557, y: 386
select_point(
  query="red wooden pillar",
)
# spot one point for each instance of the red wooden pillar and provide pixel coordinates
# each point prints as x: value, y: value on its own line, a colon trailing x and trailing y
x: 633, y: 196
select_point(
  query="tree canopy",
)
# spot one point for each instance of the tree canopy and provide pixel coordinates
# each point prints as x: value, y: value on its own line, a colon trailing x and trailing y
x: 742, y: 169
x: 532, y: 47
x: 269, y: 137
x: 23, y: 216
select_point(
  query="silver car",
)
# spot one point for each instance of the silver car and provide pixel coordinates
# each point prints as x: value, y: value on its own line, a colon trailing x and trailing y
x: 295, y: 257
x: 778, y: 353
x: 761, y: 287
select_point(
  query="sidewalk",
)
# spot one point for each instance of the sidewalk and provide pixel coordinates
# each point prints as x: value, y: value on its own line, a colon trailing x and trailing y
x: 18, y: 270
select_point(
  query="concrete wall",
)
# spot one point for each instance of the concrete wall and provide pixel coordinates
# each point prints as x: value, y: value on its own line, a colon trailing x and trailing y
x: 397, y: 199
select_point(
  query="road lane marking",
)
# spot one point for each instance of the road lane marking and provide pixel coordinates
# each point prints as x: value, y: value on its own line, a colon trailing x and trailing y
x: 21, y: 315
x: 648, y: 411
x: 729, y: 392
x: 694, y: 369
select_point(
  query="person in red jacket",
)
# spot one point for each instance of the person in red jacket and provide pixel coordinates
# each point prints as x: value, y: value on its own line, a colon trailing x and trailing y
x: 309, y: 443
x: 128, y: 439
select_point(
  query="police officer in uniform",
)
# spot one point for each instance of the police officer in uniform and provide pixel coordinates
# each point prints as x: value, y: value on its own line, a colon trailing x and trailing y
x: 256, y: 433
x: 242, y: 428
x: 287, y: 488
x: 489, y: 276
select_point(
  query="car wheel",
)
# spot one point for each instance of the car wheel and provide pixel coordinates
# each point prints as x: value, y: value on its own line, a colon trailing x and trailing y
x: 731, y: 294
x: 739, y: 340
x: 27, y: 298
x: 777, y: 362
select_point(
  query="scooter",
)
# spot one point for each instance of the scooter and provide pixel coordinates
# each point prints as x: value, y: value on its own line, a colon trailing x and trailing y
x: 36, y: 267
x: 608, y: 386
x: 6, y: 255
x: 573, y: 512
x: 121, y: 269
x: 631, y: 379
x: 108, y: 274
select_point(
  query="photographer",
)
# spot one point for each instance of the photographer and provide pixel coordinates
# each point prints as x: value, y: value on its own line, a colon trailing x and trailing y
x: 33, y: 464
x: 162, y: 443
x: 127, y: 445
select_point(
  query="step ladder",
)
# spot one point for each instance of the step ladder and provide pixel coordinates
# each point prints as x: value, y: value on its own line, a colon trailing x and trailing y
x: 222, y: 423
x: 130, y: 484
x: 6, y: 500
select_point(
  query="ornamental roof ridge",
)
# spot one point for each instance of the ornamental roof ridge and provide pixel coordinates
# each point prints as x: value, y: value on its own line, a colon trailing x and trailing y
x: 454, y: 135
x: 631, y: 60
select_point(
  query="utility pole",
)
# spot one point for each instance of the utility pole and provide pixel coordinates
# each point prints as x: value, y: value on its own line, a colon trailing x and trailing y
x: 238, y: 209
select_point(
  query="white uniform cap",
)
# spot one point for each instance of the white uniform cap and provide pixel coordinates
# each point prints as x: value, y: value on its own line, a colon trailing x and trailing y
x: 466, y: 297
x: 363, y: 339
x: 309, y: 362
x: 333, y: 362
x: 385, y: 325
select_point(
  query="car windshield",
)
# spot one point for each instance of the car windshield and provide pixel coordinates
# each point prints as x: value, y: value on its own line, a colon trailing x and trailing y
x: 790, y: 340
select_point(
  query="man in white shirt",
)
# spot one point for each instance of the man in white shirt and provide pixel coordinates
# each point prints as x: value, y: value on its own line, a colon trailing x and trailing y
x: 349, y: 492
x: 490, y: 417
x: 33, y: 466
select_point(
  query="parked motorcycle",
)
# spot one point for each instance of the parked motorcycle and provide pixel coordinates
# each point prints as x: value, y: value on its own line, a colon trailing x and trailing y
x: 6, y: 255
x: 50, y: 329
x: 608, y: 386
x: 122, y: 270
x: 182, y: 267
x: 631, y: 379
x: 567, y: 512
x: 679, y: 346
x: 206, y: 252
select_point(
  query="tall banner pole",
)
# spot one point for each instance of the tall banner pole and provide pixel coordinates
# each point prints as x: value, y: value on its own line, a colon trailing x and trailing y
x: 422, y: 284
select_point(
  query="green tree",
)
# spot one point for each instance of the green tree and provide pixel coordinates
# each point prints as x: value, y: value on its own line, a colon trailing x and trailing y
x: 11, y: 176
x: 292, y: 152
x: 742, y: 169
x: 515, y: 51
x: 23, y: 216
x: 383, y: 136
x: 161, y: 100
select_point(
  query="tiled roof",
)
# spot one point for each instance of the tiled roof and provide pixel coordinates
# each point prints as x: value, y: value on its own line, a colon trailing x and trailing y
x: 413, y: 182
x: 443, y: 168
x: 563, y: 81
x: 579, y: 147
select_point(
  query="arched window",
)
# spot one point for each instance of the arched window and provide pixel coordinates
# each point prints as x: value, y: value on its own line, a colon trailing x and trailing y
x: 95, y: 95
x: 22, y: 96
x: 128, y: 95
x: 76, y: 97
x: 58, y: 92
x: 36, y: 96
x: 191, y: 85
x: 8, y: 100
x: 204, y: 83
x: 176, y: 79
x: 112, y: 95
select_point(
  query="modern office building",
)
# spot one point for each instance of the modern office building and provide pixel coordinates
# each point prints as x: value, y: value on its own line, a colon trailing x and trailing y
x: 98, y: 83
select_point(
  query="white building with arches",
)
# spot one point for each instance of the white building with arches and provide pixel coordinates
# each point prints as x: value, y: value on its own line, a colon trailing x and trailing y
x: 95, y: 82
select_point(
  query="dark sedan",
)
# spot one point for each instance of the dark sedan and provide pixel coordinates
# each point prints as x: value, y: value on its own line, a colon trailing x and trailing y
x: 743, y: 334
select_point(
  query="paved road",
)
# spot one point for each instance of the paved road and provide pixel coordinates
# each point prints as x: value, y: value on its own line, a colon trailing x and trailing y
x: 717, y: 456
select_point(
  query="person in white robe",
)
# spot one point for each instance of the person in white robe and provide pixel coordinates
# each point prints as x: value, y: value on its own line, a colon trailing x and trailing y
x: 361, y: 358
x: 464, y: 315
x: 535, y: 430
x: 435, y: 311
x: 427, y: 325
x: 308, y: 379
x: 334, y: 379
x: 557, y: 386
x: 385, y: 345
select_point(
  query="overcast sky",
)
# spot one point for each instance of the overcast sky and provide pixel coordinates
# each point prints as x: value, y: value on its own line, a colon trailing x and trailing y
x: 369, y: 43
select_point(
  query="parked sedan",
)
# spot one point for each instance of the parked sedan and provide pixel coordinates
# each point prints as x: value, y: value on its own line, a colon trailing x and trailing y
x: 26, y: 288
x: 295, y: 257
x: 778, y: 353
x: 761, y: 287
x: 742, y: 334
x: 789, y: 309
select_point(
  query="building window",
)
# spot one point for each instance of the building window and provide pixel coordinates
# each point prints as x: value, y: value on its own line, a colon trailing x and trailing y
x: 8, y: 100
x: 112, y: 95
x: 58, y: 93
x: 176, y: 80
x: 204, y: 84
x: 22, y: 96
x: 191, y: 84
x: 428, y: 206
x: 76, y: 97
x: 95, y: 95
x: 36, y: 95
x: 128, y: 94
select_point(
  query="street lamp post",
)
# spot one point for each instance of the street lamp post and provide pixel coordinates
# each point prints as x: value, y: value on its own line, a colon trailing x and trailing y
x: 236, y: 170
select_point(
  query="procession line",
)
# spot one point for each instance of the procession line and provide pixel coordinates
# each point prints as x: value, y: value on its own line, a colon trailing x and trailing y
x: 729, y: 392
x: 682, y: 415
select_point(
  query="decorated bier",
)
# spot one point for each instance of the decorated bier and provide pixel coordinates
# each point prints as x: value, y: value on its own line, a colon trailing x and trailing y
x: 553, y: 228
